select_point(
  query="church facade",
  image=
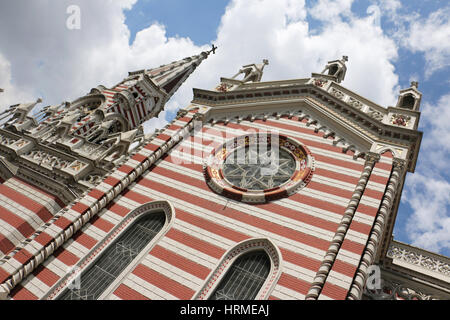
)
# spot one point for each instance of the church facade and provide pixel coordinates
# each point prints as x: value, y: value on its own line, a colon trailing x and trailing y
x: 256, y: 190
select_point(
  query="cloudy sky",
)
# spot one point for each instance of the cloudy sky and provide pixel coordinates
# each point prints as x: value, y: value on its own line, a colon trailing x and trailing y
x: 389, y: 44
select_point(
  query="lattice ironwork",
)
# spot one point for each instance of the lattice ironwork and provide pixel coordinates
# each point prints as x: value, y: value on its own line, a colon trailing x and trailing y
x: 116, y: 258
x: 244, y: 278
x: 259, y: 169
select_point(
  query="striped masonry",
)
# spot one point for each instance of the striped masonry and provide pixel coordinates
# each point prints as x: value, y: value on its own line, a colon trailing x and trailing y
x: 43, y: 279
x: 183, y: 185
x: 23, y: 209
x: 207, y: 224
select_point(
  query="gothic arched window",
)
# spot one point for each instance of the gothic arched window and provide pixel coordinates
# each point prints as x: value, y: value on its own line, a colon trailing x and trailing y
x: 245, y: 277
x: 248, y: 271
x: 115, y: 259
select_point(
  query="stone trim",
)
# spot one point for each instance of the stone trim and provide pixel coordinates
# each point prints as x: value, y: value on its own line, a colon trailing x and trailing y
x: 241, y: 248
x: 97, y: 251
x: 357, y: 288
x: 416, y: 257
x: 336, y: 242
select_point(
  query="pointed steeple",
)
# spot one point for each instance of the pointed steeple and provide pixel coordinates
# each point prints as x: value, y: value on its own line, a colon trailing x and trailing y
x: 143, y: 94
x: 169, y: 77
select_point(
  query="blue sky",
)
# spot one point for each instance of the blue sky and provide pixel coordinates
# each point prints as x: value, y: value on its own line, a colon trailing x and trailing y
x: 204, y: 20
x: 196, y: 19
x: 389, y: 44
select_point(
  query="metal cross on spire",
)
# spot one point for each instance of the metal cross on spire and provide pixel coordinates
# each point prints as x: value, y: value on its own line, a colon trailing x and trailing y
x: 213, y: 49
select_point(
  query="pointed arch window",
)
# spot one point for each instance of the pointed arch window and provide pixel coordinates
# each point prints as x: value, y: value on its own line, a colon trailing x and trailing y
x: 248, y: 271
x: 145, y: 224
x: 245, y: 277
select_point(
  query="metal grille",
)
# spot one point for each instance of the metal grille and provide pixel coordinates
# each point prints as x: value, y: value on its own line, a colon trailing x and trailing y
x: 116, y: 258
x: 244, y: 278
x: 259, y: 169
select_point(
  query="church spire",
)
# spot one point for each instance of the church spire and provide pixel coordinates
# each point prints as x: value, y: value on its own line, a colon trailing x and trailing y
x: 94, y: 133
x: 169, y: 77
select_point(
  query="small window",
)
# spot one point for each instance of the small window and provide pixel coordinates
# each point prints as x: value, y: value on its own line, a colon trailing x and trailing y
x: 245, y: 277
x: 408, y: 102
x: 95, y: 280
x: 333, y: 70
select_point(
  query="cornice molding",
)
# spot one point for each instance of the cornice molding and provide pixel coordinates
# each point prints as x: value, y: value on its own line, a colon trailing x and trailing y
x: 370, y: 120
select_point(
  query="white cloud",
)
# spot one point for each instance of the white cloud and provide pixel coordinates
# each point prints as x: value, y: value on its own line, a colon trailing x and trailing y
x: 435, y: 147
x: 66, y: 64
x: 330, y: 10
x: 427, y: 191
x: 156, y: 123
x: 430, y: 36
x: 429, y: 225
x: 11, y: 94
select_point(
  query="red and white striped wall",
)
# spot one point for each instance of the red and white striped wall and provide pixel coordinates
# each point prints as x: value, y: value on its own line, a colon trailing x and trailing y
x: 207, y: 224
x: 341, y: 275
x: 39, y: 284
x: 24, y: 208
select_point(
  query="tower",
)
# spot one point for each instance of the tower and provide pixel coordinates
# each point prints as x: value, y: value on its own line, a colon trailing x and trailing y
x: 49, y: 160
x: 290, y: 187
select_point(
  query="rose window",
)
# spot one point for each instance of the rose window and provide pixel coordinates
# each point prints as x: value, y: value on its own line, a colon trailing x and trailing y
x: 258, y: 168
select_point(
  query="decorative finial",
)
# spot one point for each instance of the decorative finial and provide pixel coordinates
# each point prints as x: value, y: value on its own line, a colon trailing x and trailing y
x: 39, y: 100
x: 344, y: 58
x: 415, y: 84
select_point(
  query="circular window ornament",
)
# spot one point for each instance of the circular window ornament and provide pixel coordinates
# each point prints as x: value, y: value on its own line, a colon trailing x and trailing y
x: 259, y: 168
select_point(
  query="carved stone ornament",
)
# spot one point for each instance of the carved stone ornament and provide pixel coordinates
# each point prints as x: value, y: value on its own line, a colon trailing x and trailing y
x: 93, y: 179
x: 21, y: 143
x: 77, y: 165
x: 320, y: 82
x: 355, y: 103
x: 6, y: 141
x: 223, y: 87
x: 395, y: 291
x: 375, y: 114
x: 45, y: 158
x: 400, y: 119
x: 337, y: 93
x: 419, y: 259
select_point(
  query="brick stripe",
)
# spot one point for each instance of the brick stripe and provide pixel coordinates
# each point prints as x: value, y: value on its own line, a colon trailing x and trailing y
x: 300, y: 260
x: 306, y: 135
x: 237, y: 215
x: 272, y: 206
x: 46, y: 275
x: 293, y: 283
x: 5, y: 245
x: 41, y: 191
x: 40, y: 210
x: 126, y: 293
x: 85, y: 240
x: 17, y: 222
x: 65, y: 256
x: 3, y: 275
x: 211, y: 226
x: 155, y: 278
x: 334, y: 291
x: 195, y: 243
x: 21, y: 293
x: 180, y: 262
